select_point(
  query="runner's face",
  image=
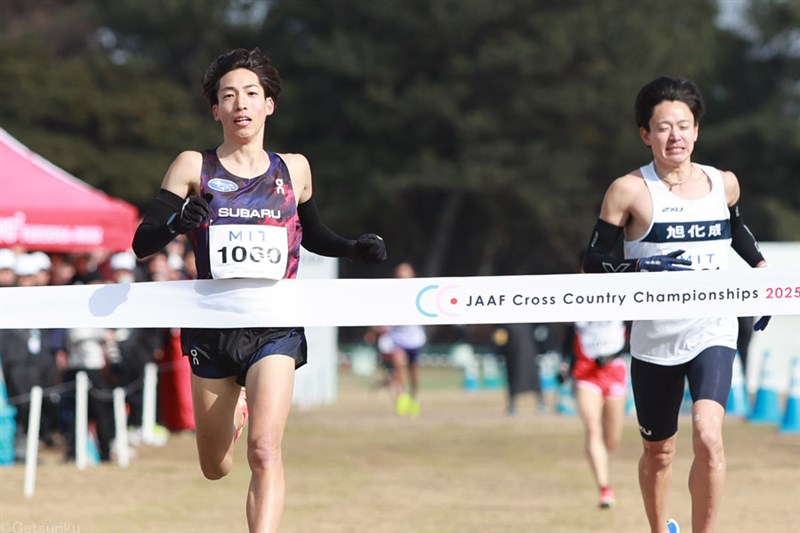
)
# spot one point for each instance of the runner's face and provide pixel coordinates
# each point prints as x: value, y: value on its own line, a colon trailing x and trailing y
x: 243, y: 107
x: 672, y: 134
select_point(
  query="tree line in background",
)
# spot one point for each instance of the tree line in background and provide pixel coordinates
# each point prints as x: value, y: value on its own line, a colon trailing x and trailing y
x: 477, y: 137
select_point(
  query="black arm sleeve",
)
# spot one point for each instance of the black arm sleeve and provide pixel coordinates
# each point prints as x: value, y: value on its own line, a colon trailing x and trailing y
x: 599, y: 256
x: 317, y: 237
x: 742, y: 240
x: 153, y: 234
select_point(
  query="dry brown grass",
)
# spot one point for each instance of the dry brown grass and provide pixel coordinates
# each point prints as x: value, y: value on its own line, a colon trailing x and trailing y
x: 462, y: 466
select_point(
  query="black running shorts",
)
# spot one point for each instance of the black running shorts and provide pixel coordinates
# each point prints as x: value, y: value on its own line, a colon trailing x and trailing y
x: 221, y: 353
x: 658, y: 389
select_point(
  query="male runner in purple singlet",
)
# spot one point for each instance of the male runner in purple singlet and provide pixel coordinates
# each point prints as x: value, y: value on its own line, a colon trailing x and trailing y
x: 247, y: 211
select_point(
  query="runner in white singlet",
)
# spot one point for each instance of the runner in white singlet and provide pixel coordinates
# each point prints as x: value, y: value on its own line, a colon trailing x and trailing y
x: 676, y: 215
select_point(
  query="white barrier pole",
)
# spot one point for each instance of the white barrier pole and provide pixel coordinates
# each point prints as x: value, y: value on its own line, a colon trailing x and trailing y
x: 81, y: 419
x: 121, y: 425
x: 32, y: 448
x: 149, y: 402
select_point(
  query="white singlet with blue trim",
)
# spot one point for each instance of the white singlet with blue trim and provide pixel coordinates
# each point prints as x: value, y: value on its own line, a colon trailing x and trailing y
x: 702, y: 228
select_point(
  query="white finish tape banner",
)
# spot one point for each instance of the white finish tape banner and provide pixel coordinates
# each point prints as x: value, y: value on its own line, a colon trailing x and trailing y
x: 362, y: 302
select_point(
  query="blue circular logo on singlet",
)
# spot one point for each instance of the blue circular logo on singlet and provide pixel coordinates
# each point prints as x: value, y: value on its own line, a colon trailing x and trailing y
x: 222, y: 185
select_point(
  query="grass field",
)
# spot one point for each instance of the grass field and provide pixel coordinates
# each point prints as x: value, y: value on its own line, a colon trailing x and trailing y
x: 462, y: 466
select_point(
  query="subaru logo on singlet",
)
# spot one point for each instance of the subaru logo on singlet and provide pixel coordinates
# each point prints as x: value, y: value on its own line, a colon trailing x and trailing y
x: 222, y: 185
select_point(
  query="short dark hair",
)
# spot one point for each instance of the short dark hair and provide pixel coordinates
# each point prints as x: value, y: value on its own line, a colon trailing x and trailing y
x: 663, y: 89
x: 252, y: 60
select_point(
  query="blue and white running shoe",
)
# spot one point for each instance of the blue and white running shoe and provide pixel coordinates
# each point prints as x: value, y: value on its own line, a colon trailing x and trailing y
x: 673, y: 527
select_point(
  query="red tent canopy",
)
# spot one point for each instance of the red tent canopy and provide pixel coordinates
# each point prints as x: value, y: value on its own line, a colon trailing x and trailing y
x: 42, y: 207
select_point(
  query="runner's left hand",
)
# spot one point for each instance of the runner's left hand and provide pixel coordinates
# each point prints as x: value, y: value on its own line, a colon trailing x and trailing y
x: 762, y: 323
x: 368, y: 248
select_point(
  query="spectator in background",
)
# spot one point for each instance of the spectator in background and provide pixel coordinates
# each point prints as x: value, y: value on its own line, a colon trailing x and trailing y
x: 18, y: 346
x: 62, y: 271
x: 8, y: 259
x: 176, y: 252
x: 94, y: 351
x: 158, y: 268
x: 137, y: 346
x: 516, y: 344
x: 85, y: 269
x: 176, y: 411
x: 55, y: 357
x: 47, y: 370
x: 25, y: 359
x: 43, y: 263
x: 122, y: 267
x: 189, y: 268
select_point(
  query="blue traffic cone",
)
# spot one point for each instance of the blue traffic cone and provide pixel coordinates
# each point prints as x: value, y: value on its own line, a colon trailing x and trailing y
x: 686, y: 403
x: 491, y: 372
x: 472, y: 377
x: 8, y: 428
x: 548, y: 371
x: 8, y: 425
x: 566, y: 400
x: 463, y: 355
x: 630, y: 401
x: 3, y: 390
x: 791, y: 414
x: 92, y: 451
x: 738, y: 402
x: 766, y: 408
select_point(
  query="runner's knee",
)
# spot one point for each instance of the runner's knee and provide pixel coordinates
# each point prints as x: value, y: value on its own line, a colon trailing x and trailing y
x: 659, y: 454
x: 707, y: 442
x: 612, y: 442
x: 264, y: 451
x: 214, y: 469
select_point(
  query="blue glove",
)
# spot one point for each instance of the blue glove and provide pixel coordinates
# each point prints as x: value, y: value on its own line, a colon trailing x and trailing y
x: 659, y: 263
x: 762, y: 322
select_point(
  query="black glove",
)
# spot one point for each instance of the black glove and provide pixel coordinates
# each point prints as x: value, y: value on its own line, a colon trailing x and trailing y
x: 659, y: 263
x: 369, y: 248
x: 762, y: 323
x: 194, y: 211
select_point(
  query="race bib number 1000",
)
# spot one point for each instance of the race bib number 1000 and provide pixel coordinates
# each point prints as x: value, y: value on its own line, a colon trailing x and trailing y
x: 247, y: 251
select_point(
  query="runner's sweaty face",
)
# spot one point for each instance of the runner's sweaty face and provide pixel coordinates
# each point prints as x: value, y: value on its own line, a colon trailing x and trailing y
x: 673, y: 132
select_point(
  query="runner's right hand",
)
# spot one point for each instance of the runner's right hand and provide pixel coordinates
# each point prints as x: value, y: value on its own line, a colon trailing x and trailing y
x: 659, y: 263
x: 195, y: 209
